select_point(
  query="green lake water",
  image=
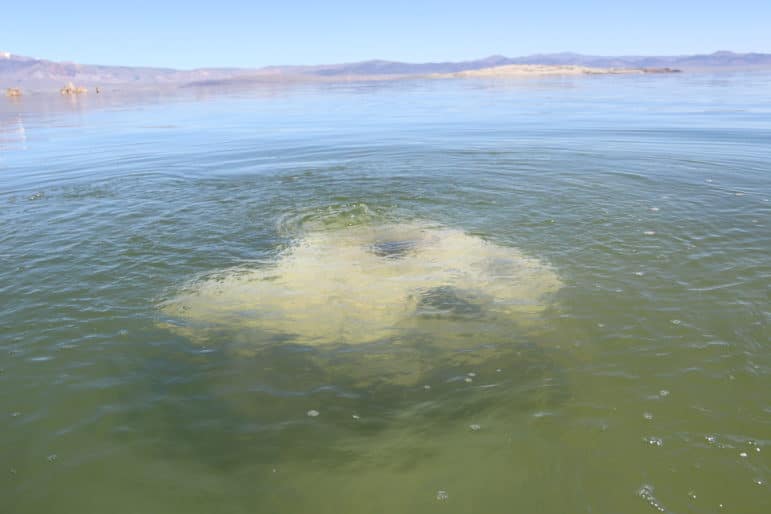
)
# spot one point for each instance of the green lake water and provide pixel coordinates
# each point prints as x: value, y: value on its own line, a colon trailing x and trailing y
x: 547, y: 295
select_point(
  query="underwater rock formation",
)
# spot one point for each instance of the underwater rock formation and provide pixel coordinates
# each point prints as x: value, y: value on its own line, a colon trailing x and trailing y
x: 355, y: 285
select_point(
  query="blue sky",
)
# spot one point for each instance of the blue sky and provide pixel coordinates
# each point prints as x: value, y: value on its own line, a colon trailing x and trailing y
x: 242, y: 33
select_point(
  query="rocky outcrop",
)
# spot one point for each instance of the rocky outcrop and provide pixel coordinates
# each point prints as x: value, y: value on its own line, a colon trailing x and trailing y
x: 71, y: 89
x: 13, y: 92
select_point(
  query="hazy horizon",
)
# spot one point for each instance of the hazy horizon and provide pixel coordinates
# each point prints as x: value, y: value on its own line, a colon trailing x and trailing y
x: 181, y: 36
x: 6, y: 53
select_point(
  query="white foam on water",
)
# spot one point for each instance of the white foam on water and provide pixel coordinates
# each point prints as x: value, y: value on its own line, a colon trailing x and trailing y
x: 359, y: 284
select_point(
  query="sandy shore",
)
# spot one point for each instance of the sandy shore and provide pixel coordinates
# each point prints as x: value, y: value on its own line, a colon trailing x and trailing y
x: 526, y: 70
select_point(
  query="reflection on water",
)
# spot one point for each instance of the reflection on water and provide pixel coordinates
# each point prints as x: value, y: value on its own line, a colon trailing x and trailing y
x: 12, y: 134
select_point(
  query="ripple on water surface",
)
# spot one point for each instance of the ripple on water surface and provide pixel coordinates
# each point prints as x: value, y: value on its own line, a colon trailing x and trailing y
x: 581, y: 325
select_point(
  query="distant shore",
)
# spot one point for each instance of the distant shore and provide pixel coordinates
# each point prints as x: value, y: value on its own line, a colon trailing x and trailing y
x: 528, y: 70
x: 512, y: 71
x: 272, y: 80
x: 21, y: 75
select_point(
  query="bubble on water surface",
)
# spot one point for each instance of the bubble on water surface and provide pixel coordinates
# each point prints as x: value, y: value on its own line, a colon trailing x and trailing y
x: 646, y: 493
x: 312, y: 413
x: 663, y: 393
x: 363, y: 283
x: 650, y: 232
x: 442, y: 495
x: 475, y: 427
x: 648, y: 416
x: 654, y: 441
x: 51, y: 458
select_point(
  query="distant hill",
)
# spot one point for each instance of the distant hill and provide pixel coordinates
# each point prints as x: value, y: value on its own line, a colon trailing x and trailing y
x: 40, y: 74
x: 20, y: 71
x: 717, y: 60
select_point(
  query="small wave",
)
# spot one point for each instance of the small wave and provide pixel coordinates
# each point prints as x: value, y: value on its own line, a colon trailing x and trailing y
x: 332, y: 217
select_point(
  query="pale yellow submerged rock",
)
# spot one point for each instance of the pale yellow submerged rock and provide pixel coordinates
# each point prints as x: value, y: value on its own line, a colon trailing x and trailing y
x: 362, y: 284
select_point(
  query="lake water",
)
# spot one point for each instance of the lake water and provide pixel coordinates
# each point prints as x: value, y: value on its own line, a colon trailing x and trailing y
x: 546, y: 295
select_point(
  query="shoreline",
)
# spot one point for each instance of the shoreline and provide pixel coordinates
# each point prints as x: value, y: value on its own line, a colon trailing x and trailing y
x: 290, y: 80
x: 541, y: 70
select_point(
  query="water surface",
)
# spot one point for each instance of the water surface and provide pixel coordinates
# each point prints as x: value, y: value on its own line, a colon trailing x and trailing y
x: 595, y: 339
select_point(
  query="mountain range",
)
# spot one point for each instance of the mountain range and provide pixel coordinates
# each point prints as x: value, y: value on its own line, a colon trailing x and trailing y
x: 41, y: 74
